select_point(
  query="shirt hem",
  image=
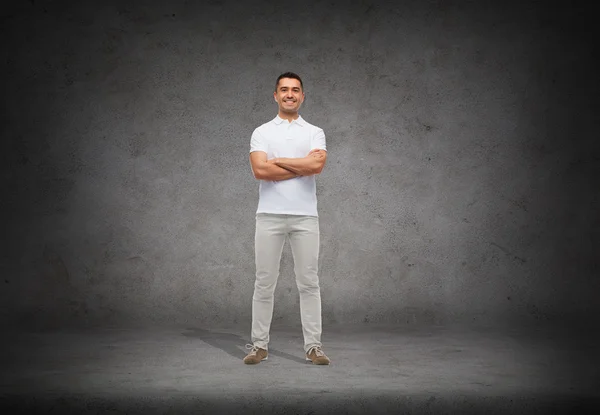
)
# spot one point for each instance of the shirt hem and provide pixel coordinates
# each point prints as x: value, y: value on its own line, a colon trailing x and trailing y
x: 294, y: 213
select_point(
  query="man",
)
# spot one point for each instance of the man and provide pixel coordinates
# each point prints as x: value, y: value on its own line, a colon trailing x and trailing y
x: 285, y: 154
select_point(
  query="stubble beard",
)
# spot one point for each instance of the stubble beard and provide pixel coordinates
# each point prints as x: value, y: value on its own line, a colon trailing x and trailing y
x: 288, y: 110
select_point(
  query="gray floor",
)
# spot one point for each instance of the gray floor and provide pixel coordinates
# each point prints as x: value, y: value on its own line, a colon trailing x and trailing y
x: 374, y: 369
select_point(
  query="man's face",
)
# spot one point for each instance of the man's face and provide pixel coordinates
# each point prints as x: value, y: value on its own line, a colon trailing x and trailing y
x: 289, y: 95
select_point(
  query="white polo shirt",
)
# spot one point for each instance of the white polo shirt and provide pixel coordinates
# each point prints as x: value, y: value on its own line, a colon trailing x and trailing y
x: 281, y: 138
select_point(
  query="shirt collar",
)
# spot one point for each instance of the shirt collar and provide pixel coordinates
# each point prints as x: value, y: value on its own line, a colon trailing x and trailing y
x: 300, y: 121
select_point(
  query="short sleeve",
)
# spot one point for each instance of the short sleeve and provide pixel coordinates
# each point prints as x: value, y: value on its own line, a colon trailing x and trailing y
x: 257, y: 142
x: 318, y: 140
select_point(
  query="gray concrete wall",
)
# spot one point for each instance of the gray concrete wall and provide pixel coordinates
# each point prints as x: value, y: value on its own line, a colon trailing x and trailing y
x: 462, y: 140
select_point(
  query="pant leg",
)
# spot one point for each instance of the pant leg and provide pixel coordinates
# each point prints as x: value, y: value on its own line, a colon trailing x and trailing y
x: 304, y: 241
x: 269, y: 239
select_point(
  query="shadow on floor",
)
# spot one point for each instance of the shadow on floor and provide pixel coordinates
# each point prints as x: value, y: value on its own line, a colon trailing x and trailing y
x: 230, y: 344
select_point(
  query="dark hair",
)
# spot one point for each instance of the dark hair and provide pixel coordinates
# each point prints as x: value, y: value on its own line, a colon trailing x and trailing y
x: 288, y: 75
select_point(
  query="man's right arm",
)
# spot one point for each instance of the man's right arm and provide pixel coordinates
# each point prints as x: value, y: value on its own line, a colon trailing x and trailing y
x: 266, y: 170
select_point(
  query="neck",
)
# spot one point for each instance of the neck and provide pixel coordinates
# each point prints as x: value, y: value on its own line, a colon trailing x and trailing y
x: 288, y: 116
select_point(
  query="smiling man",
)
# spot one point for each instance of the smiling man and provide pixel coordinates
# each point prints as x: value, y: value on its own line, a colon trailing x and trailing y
x: 286, y: 154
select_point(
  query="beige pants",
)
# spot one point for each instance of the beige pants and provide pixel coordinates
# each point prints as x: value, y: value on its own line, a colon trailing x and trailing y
x: 303, y: 234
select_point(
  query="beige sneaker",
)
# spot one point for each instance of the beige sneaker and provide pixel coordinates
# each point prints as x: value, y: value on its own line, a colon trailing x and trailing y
x: 316, y: 355
x: 256, y: 355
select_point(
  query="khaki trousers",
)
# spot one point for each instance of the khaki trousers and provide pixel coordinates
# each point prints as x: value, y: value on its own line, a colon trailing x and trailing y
x: 303, y: 234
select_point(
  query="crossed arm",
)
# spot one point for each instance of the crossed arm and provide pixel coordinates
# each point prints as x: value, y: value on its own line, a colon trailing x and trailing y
x: 287, y: 168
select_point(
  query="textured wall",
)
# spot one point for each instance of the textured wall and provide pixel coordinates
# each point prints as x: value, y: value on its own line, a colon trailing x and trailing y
x: 462, y: 140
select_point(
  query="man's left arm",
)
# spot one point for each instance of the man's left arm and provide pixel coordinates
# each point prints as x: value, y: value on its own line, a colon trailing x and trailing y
x: 313, y: 163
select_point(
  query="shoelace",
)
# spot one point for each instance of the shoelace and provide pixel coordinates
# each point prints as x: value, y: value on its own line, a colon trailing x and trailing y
x: 253, y: 349
x: 317, y: 350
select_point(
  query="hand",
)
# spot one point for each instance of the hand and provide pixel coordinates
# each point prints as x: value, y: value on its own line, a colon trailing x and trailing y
x: 317, y: 153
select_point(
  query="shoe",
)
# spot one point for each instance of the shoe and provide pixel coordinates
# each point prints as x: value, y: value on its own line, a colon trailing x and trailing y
x: 316, y: 355
x: 256, y: 355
